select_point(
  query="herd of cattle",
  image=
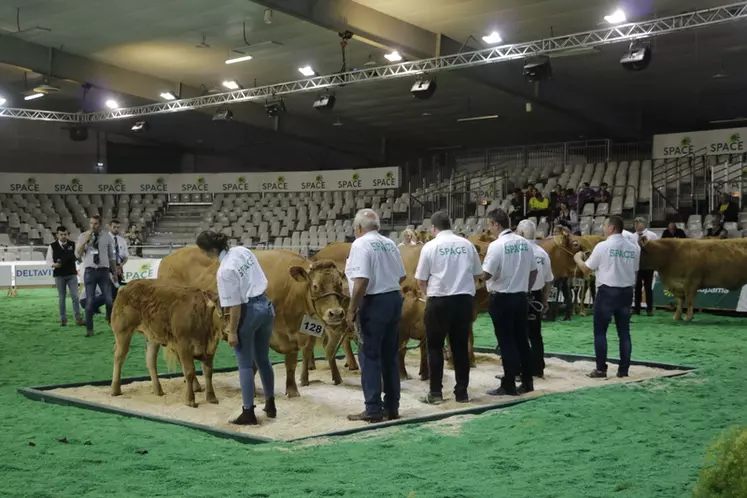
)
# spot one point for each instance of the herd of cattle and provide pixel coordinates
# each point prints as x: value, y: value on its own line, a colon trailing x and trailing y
x: 180, y: 309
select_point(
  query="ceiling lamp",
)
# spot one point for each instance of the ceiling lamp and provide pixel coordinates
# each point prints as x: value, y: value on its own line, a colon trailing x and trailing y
x: 112, y: 104
x: 239, y: 59
x: 493, y: 38
x: 307, y: 71
x: 2, y: 101
x: 231, y: 85
x: 393, y: 56
x: 168, y: 96
x: 617, y: 17
x: 33, y: 96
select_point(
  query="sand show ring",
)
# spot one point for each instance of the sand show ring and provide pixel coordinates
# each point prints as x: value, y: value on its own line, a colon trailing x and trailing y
x: 323, y: 407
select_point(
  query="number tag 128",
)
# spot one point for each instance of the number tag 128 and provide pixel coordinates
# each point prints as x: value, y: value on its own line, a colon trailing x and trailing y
x: 311, y: 327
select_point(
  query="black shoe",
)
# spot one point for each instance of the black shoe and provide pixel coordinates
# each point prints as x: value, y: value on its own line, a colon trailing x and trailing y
x: 525, y: 388
x: 432, y: 399
x: 365, y: 417
x: 89, y: 333
x: 621, y: 374
x: 247, y: 417
x: 597, y: 374
x: 269, y: 408
x: 392, y: 414
x: 461, y: 397
x: 502, y: 391
x: 539, y: 375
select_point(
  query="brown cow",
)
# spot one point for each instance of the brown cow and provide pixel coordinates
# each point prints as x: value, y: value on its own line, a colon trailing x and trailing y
x: 296, y: 287
x: 687, y: 265
x: 185, y: 320
x: 412, y: 327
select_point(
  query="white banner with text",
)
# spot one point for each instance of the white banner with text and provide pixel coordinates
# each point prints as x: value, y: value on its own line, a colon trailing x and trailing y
x: 709, y: 142
x: 39, y: 273
x: 292, y: 181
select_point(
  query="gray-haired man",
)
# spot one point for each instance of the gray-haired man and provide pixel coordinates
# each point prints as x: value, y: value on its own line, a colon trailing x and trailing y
x: 645, y: 279
x: 96, y: 249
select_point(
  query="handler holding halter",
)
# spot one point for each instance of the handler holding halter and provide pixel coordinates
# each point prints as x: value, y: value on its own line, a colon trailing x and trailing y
x: 241, y: 288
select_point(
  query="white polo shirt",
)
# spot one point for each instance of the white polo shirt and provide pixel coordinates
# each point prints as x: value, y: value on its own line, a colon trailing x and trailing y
x: 509, y: 261
x: 449, y: 263
x: 544, y: 268
x: 376, y: 258
x: 615, y: 261
x: 239, y: 277
x: 645, y: 233
x: 630, y: 236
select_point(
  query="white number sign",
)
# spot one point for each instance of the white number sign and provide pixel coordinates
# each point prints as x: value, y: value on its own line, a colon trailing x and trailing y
x: 578, y: 282
x: 311, y: 327
x: 553, y: 295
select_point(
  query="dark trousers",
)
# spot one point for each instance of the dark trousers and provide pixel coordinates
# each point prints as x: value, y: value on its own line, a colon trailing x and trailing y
x: 564, y: 288
x: 97, y: 277
x: 99, y: 301
x: 644, y: 281
x: 612, y: 302
x: 509, y: 315
x: 452, y: 316
x: 534, y: 329
x: 379, y: 317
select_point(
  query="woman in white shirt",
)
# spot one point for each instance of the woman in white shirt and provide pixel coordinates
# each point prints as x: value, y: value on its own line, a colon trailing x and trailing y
x: 408, y: 238
x: 241, y: 289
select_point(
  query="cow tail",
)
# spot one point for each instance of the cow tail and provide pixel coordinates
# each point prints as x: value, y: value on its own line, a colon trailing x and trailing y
x: 172, y: 359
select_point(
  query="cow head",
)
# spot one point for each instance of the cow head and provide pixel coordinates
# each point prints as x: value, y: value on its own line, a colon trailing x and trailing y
x: 221, y: 320
x: 324, y: 289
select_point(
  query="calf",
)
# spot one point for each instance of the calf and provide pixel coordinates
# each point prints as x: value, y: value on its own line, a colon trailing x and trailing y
x: 187, y: 321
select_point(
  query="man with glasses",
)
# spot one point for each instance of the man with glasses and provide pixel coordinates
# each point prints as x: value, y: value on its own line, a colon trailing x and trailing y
x: 121, y: 252
x: 96, y: 249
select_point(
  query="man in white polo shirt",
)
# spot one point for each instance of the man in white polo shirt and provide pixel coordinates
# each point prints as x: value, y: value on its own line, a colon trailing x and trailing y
x: 510, y: 272
x: 375, y: 268
x: 539, y: 296
x: 644, y: 282
x: 446, y: 273
x: 615, y: 261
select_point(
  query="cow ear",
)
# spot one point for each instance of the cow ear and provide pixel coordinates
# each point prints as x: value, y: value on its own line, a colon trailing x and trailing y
x: 298, y: 273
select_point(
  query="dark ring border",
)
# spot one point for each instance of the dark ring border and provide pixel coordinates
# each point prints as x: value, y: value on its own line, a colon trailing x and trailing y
x: 41, y: 393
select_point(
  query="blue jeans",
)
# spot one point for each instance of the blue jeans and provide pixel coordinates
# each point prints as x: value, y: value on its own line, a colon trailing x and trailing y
x: 99, y: 301
x: 612, y: 302
x: 255, y: 330
x: 379, y: 317
x: 97, y: 277
x: 65, y: 285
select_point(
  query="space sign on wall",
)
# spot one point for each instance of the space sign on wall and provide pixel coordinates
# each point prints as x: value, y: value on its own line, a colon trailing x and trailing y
x: 709, y: 142
x: 292, y: 181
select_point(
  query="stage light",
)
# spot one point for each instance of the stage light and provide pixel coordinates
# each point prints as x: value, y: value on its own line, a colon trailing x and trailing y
x: 325, y: 103
x: 307, y: 71
x: 617, y: 17
x: 169, y: 96
x: 140, y: 126
x: 393, y: 56
x: 33, y: 96
x: 112, y: 104
x: 423, y: 89
x: 493, y: 38
x: 239, y: 59
x: 231, y: 85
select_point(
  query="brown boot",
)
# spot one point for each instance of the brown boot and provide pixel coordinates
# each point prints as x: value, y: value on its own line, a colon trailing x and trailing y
x: 79, y: 320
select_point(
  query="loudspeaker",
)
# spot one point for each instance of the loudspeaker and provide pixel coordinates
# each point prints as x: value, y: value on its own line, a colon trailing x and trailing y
x: 78, y: 133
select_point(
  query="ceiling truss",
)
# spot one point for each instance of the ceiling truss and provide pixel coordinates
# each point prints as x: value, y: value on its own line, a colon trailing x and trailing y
x: 589, y: 39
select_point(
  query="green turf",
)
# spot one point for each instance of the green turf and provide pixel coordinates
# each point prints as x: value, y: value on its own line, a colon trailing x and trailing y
x: 641, y: 440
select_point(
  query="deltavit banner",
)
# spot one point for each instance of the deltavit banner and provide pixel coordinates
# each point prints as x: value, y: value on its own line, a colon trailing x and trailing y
x: 33, y: 274
x: 710, y: 142
x: 295, y: 181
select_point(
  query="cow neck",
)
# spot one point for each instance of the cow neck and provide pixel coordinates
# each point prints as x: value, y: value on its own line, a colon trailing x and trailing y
x: 656, y: 254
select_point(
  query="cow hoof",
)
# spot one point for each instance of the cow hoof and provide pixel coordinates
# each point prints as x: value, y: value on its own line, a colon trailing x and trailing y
x: 192, y: 404
x: 212, y: 399
x: 312, y: 366
x: 292, y: 393
x: 117, y: 392
x: 337, y: 380
x: 305, y: 383
x: 424, y: 377
x: 158, y: 392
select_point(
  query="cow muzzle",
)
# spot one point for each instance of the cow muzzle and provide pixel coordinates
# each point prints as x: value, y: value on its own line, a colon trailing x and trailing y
x: 334, y: 316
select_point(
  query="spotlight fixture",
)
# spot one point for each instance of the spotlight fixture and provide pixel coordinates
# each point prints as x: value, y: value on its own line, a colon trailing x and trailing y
x: 617, y: 17
x: 307, y: 71
x: 325, y: 103
x: 239, y: 59
x: 275, y: 108
x: 393, y: 56
x: 140, y: 126
x: 169, y: 96
x: 112, y: 104
x: 638, y: 56
x: 34, y: 96
x: 423, y: 88
x: 231, y: 85
x: 2, y: 101
x: 537, y: 68
x: 493, y: 38
x: 223, y: 115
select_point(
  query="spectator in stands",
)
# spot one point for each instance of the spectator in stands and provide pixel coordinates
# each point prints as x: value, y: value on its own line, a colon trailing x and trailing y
x: 557, y: 197
x: 603, y: 195
x: 96, y: 249
x: 61, y: 257
x: 717, y: 229
x: 121, y: 254
x: 562, y: 285
x: 673, y: 232
x: 517, y: 207
x: 135, y: 240
x: 645, y: 278
x: 585, y: 194
x: 728, y: 208
x: 409, y: 238
x: 567, y: 217
x: 571, y: 198
x: 539, y: 205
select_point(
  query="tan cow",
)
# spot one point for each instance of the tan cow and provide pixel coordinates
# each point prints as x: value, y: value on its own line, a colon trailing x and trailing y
x: 185, y: 320
x: 688, y: 265
x: 296, y: 287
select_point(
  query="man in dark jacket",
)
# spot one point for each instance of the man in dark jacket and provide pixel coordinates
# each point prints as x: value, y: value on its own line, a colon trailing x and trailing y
x: 728, y: 208
x: 672, y: 232
x: 61, y: 257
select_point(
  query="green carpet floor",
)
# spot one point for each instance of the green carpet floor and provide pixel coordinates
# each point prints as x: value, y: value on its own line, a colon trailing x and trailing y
x: 642, y: 440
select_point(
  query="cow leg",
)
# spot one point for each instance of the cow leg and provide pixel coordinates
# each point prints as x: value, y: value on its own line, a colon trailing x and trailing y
x: 151, y: 359
x: 196, y: 387
x: 330, y: 350
x: 291, y: 389
x: 678, y: 311
x: 401, y: 359
x: 690, y: 296
x: 471, y: 347
x: 425, y: 372
x: 207, y: 371
x: 122, y: 338
x: 307, y: 358
x: 188, y: 368
x: 350, y: 361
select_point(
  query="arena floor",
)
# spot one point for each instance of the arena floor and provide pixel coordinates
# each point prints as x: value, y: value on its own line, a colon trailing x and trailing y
x: 629, y: 440
x: 322, y: 407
